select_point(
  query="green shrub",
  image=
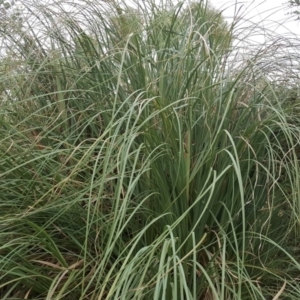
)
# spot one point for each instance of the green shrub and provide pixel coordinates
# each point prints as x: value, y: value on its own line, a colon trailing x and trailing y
x: 139, y: 162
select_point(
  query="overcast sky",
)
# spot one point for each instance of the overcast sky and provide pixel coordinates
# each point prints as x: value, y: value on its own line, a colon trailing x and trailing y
x: 271, y: 15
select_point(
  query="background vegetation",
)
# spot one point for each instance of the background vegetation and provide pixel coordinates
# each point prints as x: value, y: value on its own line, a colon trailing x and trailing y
x: 144, y: 155
x: 295, y: 4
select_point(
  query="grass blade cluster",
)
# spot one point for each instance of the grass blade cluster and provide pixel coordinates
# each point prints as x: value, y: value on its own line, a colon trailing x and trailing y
x: 138, y: 160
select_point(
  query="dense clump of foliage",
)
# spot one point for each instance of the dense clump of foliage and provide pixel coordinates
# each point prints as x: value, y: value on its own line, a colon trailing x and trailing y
x: 140, y: 159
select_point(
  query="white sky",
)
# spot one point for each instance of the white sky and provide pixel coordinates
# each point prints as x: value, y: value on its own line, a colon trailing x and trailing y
x: 269, y: 15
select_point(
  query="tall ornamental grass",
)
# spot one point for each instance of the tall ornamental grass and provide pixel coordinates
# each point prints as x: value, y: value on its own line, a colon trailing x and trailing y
x: 141, y: 157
